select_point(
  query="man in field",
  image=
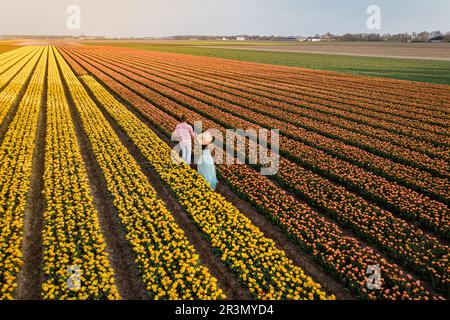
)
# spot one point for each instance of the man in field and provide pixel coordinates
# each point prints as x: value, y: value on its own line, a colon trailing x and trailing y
x: 184, y: 134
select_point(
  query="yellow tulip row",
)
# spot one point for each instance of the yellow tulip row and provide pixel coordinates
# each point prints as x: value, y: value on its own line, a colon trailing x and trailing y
x: 72, y: 238
x: 168, y: 263
x: 8, y: 59
x: 11, y: 92
x: 16, y: 154
x: 15, y: 66
x: 8, y: 54
x: 260, y: 266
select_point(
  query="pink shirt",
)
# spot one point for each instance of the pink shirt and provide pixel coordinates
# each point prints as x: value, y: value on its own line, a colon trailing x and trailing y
x: 184, y: 132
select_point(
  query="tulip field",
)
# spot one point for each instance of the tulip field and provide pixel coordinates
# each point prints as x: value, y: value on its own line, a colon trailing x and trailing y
x: 88, y: 182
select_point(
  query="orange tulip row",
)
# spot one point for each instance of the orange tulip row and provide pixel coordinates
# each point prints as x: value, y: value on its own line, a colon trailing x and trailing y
x: 260, y: 266
x: 340, y: 254
x: 395, y: 105
x: 405, y: 201
x: 302, y: 116
x: 415, y: 97
x: 377, y: 225
x: 312, y: 83
x: 422, y: 96
x: 428, y: 183
x: 315, y: 88
x: 384, y: 123
x: 431, y: 134
x: 79, y: 70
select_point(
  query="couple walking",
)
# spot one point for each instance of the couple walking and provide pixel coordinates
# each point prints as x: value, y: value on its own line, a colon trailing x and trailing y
x: 205, y: 166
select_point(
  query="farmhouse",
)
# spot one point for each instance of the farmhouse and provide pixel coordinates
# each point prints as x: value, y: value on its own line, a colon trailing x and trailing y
x: 314, y: 39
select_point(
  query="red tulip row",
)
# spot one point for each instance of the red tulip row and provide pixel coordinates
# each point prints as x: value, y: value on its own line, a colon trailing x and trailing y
x: 357, y: 97
x: 287, y: 112
x: 309, y: 82
x: 399, y: 239
x: 421, y: 95
x: 379, y: 122
x: 340, y: 254
x: 407, y: 202
x: 415, y: 96
x: 256, y: 261
x: 354, y: 155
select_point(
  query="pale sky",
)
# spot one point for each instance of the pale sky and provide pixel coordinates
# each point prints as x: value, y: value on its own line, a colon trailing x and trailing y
x: 117, y: 18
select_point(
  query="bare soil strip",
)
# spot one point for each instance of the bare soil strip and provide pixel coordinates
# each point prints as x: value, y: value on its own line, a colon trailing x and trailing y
x: 227, y: 280
x: 30, y: 277
x: 438, y: 52
x: 126, y: 273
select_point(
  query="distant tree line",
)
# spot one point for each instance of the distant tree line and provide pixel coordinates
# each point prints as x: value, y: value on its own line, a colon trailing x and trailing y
x: 423, y: 36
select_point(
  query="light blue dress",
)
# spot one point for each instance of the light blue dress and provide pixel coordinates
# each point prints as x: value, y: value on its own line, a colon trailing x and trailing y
x: 207, y: 168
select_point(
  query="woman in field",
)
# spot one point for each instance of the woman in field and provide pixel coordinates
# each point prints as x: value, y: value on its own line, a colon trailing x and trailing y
x: 206, y: 166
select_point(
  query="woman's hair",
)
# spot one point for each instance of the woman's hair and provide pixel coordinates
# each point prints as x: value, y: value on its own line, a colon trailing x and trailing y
x: 183, y: 118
